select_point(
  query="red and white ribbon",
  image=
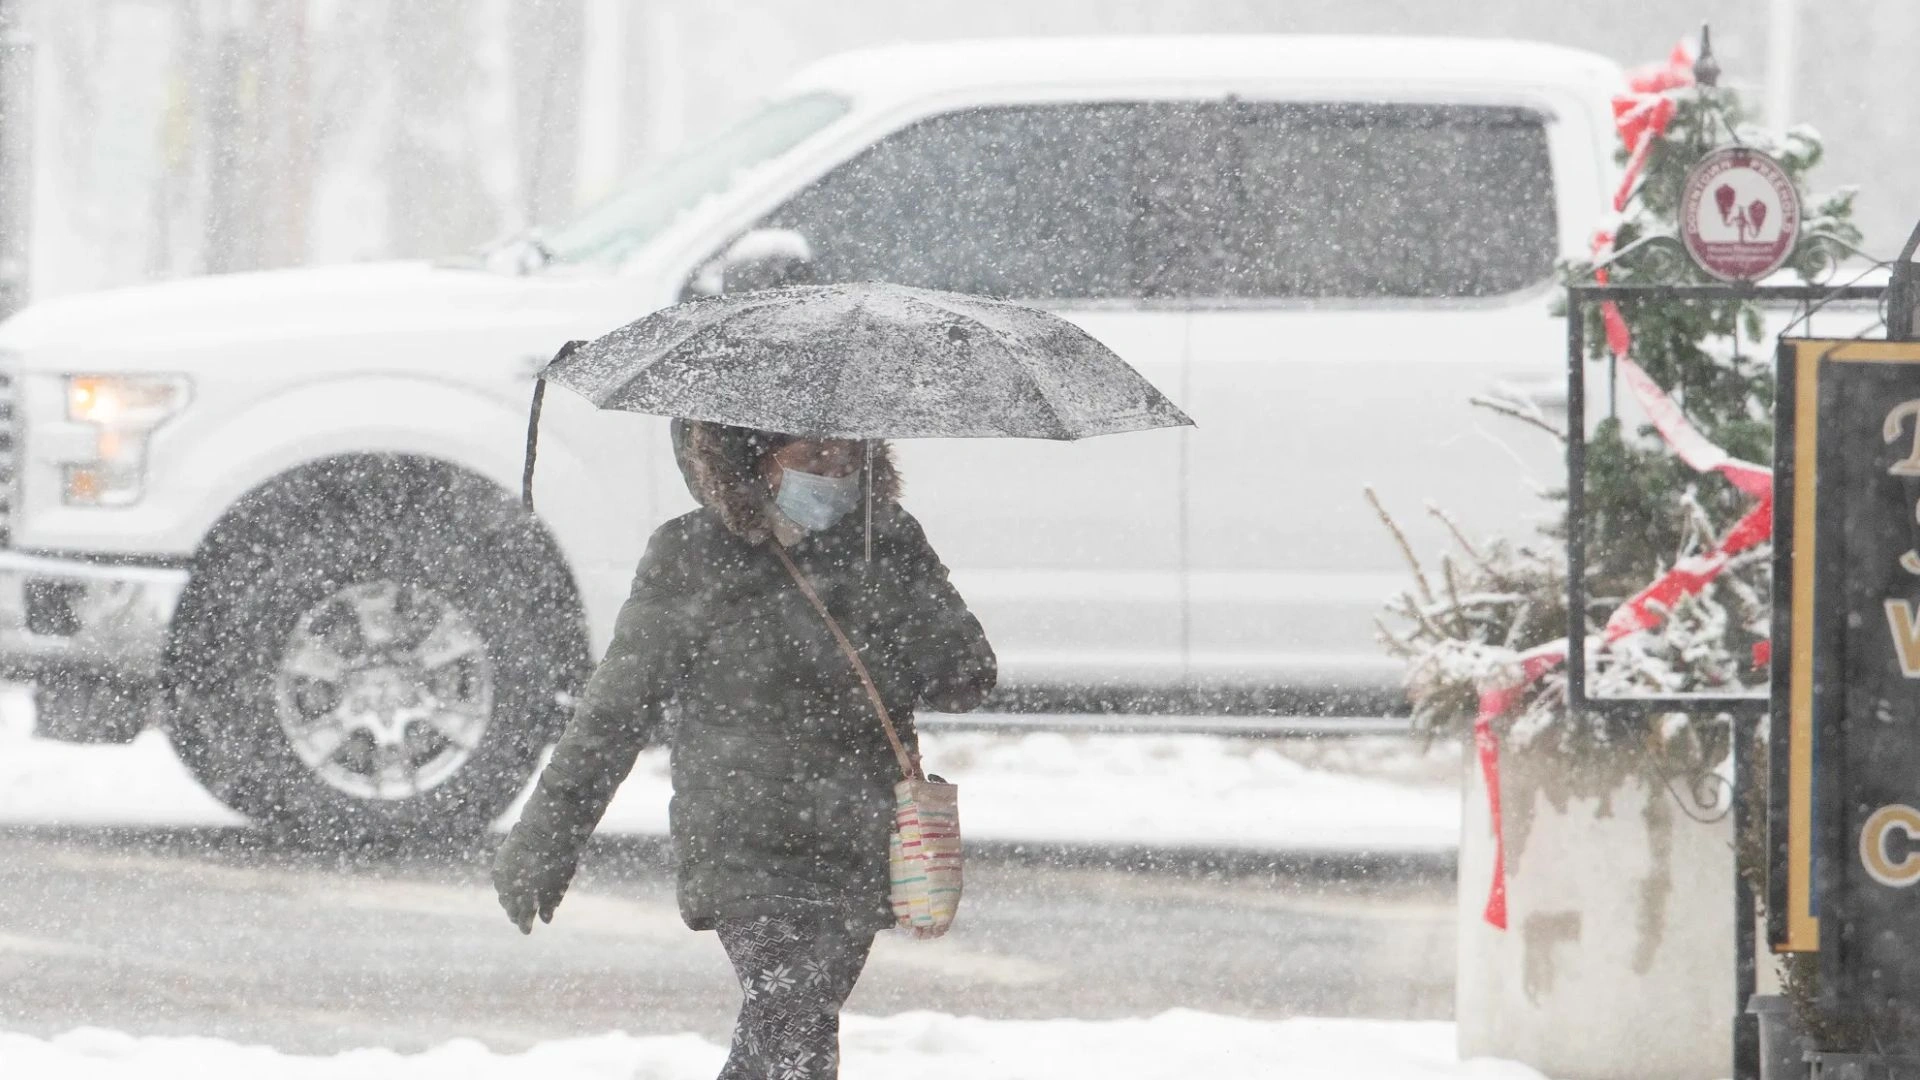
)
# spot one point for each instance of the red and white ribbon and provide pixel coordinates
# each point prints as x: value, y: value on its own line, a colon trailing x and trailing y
x: 1673, y: 73
x: 1679, y: 433
x: 1686, y: 440
x: 1641, y: 118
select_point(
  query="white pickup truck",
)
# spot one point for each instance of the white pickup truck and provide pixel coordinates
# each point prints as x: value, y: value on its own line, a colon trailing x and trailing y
x: 278, y: 512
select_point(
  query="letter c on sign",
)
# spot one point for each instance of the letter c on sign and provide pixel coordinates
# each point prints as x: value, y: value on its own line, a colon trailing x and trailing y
x: 1873, y: 846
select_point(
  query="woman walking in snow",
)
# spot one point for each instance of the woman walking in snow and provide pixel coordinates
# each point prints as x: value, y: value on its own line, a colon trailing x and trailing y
x: 783, y: 777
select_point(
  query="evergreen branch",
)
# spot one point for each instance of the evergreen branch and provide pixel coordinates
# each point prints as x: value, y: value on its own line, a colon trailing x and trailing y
x: 1469, y: 601
x: 1513, y: 628
x: 1413, y: 611
x: 1507, y: 408
x: 1459, y: 537
x: 1698, y: 529
x: 1400, y: 538
x: 1453, y: 595
x: 1396, y: 645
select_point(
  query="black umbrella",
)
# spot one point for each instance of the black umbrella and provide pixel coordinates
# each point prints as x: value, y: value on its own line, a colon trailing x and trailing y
x: 864, y: 361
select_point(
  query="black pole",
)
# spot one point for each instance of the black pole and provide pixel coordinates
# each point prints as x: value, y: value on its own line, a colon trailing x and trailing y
x: 1902, y: 295
x: 1706, y: 70
x: 1576, y: 503
x: 1746, y: 1031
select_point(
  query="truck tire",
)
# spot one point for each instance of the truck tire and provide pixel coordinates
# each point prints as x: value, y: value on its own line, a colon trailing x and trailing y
x: 374, y: 653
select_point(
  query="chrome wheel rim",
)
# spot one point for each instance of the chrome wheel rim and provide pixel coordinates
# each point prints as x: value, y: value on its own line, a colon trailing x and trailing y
x: 384, y: 690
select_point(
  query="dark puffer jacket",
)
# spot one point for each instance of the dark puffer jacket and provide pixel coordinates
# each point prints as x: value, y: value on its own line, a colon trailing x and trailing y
x: 783, y: 778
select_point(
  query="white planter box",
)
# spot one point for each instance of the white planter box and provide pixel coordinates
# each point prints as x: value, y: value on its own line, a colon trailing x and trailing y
x: 1617, y: 963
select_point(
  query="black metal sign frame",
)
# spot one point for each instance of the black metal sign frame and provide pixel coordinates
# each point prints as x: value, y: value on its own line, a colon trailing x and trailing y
x: 1579, y: 299
x: 1745, y: 710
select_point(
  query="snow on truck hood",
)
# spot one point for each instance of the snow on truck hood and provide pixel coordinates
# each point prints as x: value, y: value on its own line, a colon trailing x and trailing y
x: 360, y: 299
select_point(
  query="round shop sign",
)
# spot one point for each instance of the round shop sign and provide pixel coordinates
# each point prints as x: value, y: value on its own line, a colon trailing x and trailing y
x: 1739, y: 214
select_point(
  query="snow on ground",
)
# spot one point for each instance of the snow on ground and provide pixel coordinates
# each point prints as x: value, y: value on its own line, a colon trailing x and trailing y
x: 1370, y: 793
x: 1168, y: 790
x: 927, y: 1046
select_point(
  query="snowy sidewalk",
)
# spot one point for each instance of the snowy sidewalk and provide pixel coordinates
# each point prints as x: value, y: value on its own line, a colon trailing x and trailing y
x: 1374, y: 794
x: 1175, y: 1045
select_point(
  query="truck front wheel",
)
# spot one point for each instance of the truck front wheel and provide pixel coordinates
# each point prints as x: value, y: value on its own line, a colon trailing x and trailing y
x: 374, y: 657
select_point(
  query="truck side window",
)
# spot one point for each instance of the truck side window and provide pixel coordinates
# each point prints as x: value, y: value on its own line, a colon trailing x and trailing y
x: 1192, y: 201
x: 1033, y: 202
x: 1185, y: 197
x: 1338, y: 200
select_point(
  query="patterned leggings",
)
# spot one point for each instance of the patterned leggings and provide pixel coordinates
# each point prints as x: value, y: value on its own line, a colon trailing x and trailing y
x: 795, y: 973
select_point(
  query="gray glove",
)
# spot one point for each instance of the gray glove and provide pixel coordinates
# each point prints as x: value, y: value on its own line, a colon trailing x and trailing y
x: 529, y: 883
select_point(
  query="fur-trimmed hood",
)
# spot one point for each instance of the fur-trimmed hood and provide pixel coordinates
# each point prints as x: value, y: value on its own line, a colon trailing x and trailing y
x: 719, y: 463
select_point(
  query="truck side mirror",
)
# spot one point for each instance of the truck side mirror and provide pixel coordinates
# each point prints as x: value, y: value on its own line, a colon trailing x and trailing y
x: 758, y: 259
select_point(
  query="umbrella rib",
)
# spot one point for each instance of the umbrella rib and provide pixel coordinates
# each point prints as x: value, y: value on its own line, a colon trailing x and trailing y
x: 846, y: 371
x: 663, y: 356
x: 1047, y: 395
x: 1047, y: 390
x: 940, y: 303
x: 813, y: 425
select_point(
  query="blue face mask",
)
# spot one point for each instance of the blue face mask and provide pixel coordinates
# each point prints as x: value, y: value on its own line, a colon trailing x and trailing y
x: 815, y: 502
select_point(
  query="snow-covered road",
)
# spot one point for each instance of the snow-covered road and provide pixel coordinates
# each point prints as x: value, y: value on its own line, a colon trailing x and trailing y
x: 220, y: 932
x: 191, y: 935
x: 1175, y: 1045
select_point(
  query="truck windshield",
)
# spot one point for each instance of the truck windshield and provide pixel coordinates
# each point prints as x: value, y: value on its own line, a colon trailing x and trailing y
x: 651, y: 202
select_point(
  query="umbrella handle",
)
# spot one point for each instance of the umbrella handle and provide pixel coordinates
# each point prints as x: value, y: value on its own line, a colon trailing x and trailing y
x: 533, y: 442
x: 533, y: 422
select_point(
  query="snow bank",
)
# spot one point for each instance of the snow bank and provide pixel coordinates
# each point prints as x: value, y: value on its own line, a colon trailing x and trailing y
x: 1162, y: 790
x: 50, y: 783
x: 926, y: 1046
x: 1365, y: 794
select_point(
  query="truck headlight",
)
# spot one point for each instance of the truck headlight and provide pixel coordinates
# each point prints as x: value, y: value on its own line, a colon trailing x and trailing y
x: 124, y: 411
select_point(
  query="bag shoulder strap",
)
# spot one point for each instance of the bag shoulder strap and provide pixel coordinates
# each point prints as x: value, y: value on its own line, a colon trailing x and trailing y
x: 907, y: 768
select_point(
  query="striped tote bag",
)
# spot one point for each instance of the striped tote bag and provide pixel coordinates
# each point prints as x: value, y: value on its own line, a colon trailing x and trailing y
x: 925, y: 854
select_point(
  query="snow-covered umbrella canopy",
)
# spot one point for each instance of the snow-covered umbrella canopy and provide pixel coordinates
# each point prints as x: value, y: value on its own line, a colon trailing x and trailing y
x: 867, y: 361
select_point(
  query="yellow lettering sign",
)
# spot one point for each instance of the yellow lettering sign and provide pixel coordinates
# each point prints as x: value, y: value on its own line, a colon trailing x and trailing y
x: 1890, y: 431
x: 1910, y: 561
x: 1906, y: 636
x: 1880, y: 828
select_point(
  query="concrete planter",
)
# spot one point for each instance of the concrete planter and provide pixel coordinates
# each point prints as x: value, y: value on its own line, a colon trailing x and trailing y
x: 1783, y: 1047
x: 1617, y: 963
